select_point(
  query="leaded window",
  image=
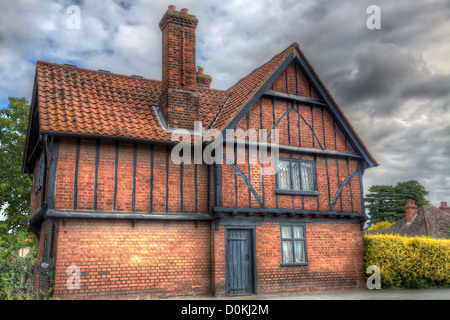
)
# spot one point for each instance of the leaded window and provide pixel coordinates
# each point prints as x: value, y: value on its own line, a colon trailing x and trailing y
x: 296, y: 176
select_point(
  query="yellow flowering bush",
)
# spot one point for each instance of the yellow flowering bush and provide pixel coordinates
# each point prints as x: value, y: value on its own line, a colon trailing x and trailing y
x: 409, y: 262
x: 381, y: 225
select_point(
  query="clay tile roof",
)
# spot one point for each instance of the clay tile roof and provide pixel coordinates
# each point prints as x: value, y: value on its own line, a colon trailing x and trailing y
x: 244, y: 90
x: 81, y: 101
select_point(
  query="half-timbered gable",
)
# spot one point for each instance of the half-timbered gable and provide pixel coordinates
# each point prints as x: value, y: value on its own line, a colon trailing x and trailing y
x: 112, y: 204
x: 318, y: 169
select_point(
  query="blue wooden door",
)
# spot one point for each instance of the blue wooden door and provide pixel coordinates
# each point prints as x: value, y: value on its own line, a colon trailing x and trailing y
x: 239, y: 262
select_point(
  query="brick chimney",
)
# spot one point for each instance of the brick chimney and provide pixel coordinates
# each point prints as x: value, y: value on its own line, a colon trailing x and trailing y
x: 444, y: 206
x: 203, y: 80
x: 411, y: 210
x: 179, y: 99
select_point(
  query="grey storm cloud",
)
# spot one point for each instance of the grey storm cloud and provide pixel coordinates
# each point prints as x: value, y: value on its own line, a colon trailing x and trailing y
x: 392, y: 84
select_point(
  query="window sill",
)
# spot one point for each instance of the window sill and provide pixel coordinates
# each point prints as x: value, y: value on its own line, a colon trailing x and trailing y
x: 294, y: 264
x: 297, y: 193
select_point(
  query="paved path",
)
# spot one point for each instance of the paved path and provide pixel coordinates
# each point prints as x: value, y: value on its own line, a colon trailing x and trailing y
x: 408, y: 294
x: 383, y: 294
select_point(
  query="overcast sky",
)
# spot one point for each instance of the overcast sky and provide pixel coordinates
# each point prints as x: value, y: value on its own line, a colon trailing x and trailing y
x: 393, y: 84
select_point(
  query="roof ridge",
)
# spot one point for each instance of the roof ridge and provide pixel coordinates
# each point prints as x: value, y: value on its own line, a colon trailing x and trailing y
x: 290, y: 47
x: 100, y: 72
x: 425, y: 217
x: 213, y: 89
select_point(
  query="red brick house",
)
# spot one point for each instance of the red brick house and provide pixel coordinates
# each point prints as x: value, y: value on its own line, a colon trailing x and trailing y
x: 113, y: 211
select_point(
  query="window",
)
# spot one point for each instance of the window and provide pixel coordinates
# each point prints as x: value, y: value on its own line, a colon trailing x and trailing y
x: 293, y: 245
x: 47, y: 236
x: 40, y: 177
x: 296, y: 176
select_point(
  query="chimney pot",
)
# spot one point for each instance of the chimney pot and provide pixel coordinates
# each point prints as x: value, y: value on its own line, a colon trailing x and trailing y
x: 410, y: 210
x: 185, y: 11
x: 179, y: 101
x: 444, y: 207
x: 172, y: 7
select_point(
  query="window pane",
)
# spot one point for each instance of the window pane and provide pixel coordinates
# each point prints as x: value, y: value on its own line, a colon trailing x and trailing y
x: 286, y: 232
x: 307, y: 176
x: 284, y: 175
x: 299, y: 251
x: 288, y: 252
x: 296, y: 176
x: 298, y: 232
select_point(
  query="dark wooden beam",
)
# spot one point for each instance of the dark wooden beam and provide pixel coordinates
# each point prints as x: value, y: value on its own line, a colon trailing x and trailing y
x: 294, y: 98
x: 125, y: 215
x: 289, y: 212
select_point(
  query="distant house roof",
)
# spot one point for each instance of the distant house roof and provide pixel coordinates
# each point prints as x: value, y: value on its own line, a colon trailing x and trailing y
x: 429, y: 221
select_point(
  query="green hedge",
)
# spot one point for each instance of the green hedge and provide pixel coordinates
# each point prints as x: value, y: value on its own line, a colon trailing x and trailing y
x: 406, y: 262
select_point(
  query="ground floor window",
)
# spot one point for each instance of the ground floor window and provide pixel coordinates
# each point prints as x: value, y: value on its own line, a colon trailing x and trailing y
x: 293, y: 245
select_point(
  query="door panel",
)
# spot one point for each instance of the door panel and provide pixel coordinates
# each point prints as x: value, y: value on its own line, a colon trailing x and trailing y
x: 239, y: 262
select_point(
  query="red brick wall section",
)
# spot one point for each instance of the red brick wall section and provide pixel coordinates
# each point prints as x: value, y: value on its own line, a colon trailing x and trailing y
x: 64, y: 193
x: 154, y: 259
x: 335, y: 255
x: 106, y: 179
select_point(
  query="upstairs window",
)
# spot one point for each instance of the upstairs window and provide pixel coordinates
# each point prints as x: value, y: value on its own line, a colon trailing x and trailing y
x: 296, y: 176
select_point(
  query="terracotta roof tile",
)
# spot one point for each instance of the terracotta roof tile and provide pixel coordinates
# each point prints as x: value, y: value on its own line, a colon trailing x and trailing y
x: 247, y: 87
x: 82, y: 101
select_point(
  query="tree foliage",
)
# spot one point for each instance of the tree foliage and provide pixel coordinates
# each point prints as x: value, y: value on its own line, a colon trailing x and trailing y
x: 387, y: 203
x: 15, y: 188
x: 15, y: 197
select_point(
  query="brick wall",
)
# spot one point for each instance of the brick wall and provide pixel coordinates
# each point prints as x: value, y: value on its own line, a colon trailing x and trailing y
x: 335, y: 255
x: 153, y: 259
x: 185, y: 189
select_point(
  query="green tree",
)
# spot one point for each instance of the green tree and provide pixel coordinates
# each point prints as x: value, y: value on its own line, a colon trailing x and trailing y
x: 15, y: 188
x: 380, y: 202
x: 387, y: 203
x: 15, y: 197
